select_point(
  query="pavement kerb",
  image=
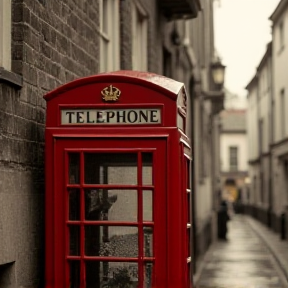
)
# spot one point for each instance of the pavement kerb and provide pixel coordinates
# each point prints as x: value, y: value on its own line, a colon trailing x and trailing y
x: 270, y: 238
x: 200, y: 264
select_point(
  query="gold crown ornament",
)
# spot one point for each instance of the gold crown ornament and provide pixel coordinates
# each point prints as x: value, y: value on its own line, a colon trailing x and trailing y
x: 110, y: 93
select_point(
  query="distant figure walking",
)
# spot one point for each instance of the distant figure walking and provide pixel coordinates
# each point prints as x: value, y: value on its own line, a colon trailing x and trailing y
x: 223, y: 218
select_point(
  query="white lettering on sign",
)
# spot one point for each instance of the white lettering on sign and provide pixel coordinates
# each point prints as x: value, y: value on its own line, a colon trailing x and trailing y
x: 116, y: 116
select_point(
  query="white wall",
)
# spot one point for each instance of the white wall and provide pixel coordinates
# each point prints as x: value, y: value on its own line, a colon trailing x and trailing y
x: 264, y: 106
x: 280, y: 69
x: 252, y: 125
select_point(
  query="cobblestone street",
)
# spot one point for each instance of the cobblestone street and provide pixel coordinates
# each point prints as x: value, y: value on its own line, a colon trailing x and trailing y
x: 243, y: 261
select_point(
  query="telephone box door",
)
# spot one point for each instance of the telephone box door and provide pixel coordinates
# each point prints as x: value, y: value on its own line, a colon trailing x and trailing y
x: 112, y: 230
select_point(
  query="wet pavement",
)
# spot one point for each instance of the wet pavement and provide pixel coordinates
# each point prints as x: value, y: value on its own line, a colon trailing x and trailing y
x: 243, y: 261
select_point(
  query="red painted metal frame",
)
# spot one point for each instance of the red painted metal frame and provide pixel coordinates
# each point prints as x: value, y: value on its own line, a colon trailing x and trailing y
x: 77, y: 145
x: 138, y: 90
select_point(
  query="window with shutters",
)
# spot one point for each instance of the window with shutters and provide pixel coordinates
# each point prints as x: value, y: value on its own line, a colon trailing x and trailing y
x: 109, y: 35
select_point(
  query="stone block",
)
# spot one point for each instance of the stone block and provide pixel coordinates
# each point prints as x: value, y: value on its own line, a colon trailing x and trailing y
x: 30, y: 74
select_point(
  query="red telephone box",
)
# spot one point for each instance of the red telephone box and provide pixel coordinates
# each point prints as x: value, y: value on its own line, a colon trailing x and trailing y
x: 117, y: 183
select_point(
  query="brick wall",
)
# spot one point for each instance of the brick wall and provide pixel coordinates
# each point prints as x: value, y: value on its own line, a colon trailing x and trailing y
x: 53, y: 42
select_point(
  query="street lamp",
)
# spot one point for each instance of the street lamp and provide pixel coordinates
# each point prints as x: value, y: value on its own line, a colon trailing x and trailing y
x: 218, y: 71
x: 216, y: 92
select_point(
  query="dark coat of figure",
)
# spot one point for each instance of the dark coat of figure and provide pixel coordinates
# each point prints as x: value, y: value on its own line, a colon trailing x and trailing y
x: 223, y: 218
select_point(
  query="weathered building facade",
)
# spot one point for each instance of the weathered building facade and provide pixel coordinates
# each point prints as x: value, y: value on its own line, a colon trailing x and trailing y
x: 259, y: 137
x: 279, y: 146
x: 267, y: 130
x: 208, y: 102
x: 54, y: 42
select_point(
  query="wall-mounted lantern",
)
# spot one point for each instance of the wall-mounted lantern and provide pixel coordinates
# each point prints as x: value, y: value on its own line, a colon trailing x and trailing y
x: 216, y: 92
x: 218, y: 73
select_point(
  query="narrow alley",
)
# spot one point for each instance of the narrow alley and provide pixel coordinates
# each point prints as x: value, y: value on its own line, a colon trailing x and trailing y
x: 252, y: 257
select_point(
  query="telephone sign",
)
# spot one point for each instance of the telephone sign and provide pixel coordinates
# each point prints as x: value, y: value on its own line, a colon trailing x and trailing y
x: 111, y: 116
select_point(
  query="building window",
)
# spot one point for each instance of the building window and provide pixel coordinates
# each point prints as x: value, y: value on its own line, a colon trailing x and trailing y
x: 233, y: 158
x: 282, y: 113
x: 281, y: 36
x: 109, y: 35
x: 5, y: 34
x: 139, y: 37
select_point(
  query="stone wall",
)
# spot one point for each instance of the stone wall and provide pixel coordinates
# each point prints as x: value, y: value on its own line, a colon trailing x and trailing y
x: 53, y: 42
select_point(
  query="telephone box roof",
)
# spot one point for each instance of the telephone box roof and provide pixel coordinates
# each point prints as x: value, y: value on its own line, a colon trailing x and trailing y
x: 161, y: 83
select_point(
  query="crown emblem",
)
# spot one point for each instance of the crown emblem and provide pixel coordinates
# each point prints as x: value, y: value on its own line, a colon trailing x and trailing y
x: 110, y: 93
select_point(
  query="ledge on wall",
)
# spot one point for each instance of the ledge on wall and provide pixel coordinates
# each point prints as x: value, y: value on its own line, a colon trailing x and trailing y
x: 179, y: 9
x: 11, y: 78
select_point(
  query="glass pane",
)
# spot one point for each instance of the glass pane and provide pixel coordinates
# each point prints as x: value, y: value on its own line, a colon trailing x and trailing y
x: 147, y: 178
x: 74, y: 232
x: 122, y: 175
x: 148, y: 205
x: 148, y: 275
x: 74, y: 204
x: 148, y: 241
x: 111, y: 274
x: 74, y: 274
x: 74, y: 171
x: 116, y: 241
x: 111, y: 168
x: 112, y: 205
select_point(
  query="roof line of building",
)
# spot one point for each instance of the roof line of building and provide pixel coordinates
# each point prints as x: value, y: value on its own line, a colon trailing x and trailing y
x: 278, y: 11
x: 266, y: 55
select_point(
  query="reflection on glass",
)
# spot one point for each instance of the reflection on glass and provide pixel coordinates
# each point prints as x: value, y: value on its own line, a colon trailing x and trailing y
x: 74, y: 204
x: 112, y: 205
x: 74, y: 232
x: 74, y: 170
x: 74, y: 274
x: 148, y: 205
x: 148, y: 275
x: 148, y: 241
x: 147, y: 175
x: 116, y: 241
x: 110, y: 168
x: 122, y: 175
x: 111, y: 274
